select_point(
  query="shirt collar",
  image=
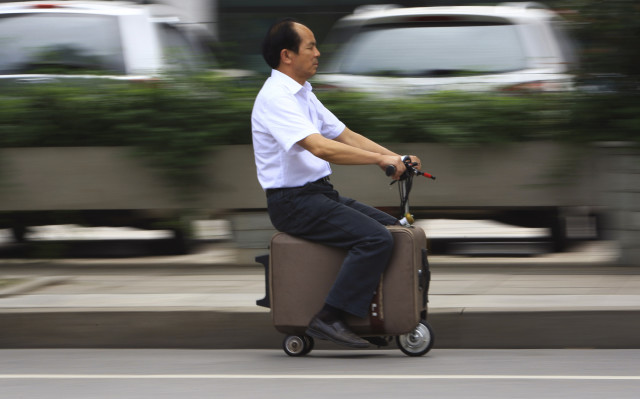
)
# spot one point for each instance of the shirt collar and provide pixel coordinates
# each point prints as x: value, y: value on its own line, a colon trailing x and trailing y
x: 289, y: 83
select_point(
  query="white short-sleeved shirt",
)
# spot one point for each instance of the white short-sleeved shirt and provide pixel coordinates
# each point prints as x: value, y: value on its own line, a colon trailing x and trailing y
x: 283, y: 114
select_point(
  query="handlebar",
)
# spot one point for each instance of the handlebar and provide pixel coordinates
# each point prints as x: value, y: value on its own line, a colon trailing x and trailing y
x: 404, y: 185
x: 390, y: 171
x: 411, y: 171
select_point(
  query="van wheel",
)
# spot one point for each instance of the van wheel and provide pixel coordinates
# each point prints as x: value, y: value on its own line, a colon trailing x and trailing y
x: 19, y: 233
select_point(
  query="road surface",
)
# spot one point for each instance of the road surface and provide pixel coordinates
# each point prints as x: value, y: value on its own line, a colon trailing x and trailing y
x: 237, y: 374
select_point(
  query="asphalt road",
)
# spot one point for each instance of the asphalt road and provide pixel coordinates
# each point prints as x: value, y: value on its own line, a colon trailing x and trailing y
x: 323, y: 374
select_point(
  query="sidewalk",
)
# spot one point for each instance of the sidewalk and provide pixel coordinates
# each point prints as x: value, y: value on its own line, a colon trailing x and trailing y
x: 207, y: 300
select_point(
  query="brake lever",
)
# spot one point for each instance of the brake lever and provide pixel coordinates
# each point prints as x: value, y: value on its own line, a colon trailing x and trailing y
x: 411, y: 170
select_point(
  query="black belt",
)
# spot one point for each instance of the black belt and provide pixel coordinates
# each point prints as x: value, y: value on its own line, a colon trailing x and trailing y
x: 275, y: 190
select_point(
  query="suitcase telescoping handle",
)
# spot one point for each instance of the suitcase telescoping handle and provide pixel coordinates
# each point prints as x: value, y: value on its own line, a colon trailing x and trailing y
x: 404, y: 186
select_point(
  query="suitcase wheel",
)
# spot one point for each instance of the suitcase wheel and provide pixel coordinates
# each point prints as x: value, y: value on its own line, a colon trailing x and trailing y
x: 297, y: 345
x: 418, y: 342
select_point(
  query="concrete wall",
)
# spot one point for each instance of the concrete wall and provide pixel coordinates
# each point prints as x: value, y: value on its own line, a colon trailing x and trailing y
x: 619, y: 191
x: 514, y: 175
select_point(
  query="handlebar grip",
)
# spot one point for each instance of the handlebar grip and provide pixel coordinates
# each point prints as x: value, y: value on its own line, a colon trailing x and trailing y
x: 390, y: 171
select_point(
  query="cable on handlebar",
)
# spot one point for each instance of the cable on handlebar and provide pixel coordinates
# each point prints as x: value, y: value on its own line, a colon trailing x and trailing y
x: 407, y: 183
x: 405, y: 189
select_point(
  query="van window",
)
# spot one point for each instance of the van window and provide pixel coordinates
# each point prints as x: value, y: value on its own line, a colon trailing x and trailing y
x: 433, y: 50
x: 567, y: 45
x: 59, y: 43
x: 177, y: 49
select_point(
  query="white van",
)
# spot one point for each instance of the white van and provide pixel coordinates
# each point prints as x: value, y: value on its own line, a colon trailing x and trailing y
x: 112, y: 39
x: 398, y: 51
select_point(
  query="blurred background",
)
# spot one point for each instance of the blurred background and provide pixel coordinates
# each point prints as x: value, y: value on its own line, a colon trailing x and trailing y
x: 134, y: 119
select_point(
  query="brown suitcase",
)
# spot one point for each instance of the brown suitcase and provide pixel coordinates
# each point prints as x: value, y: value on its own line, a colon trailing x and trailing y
x: 301, y: 273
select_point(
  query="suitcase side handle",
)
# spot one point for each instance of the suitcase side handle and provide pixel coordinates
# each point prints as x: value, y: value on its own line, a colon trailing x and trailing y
x: 266, y: 301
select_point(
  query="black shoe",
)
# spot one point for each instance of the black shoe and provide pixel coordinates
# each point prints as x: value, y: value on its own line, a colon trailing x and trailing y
x: 336, y: 332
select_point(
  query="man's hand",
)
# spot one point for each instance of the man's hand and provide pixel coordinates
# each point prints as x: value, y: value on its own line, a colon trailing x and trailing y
x: 394, y: 160
x: 399, y: 165
x: 415, y: 160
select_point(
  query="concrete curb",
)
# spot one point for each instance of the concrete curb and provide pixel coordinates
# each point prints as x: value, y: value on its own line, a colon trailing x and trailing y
x: 253, y: 330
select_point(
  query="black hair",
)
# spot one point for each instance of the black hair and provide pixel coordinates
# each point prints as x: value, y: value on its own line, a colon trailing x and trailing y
x: 281, y: 35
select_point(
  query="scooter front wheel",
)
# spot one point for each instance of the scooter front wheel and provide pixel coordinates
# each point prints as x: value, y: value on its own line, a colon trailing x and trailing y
x: 418, y: 342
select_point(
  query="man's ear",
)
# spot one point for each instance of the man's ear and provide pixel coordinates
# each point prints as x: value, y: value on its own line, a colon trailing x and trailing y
x: 285, y: 56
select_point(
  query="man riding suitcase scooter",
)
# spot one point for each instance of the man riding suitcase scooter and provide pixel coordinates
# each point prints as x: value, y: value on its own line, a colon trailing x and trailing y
x: 295, y: 139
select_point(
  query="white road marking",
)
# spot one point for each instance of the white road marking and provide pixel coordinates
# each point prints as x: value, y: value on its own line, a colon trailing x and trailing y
x: 314, y: 377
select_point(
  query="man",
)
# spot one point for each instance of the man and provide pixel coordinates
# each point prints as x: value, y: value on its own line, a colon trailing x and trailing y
x: 295, y: 138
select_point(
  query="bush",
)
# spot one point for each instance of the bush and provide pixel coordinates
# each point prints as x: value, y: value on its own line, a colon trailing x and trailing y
x: 454, y: 117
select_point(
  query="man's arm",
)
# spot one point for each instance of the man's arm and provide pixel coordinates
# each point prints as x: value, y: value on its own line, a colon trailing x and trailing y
x: 351, y: 138
x: 352, y: 149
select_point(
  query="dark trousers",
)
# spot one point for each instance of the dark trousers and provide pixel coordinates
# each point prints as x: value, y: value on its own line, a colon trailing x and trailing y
x: 317, y: 212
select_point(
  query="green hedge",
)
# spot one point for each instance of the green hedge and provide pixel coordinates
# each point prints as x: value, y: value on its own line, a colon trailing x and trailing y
x: 476, y: 118
x: 193, y: 113
x: 184, y: 112
x: 454, y: 117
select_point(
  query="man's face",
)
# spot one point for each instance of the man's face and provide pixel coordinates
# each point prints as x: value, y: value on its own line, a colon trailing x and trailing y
x: 305, y: 62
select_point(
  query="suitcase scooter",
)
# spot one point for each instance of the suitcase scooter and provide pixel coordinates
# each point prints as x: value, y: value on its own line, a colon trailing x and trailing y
x: 300, y: 273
